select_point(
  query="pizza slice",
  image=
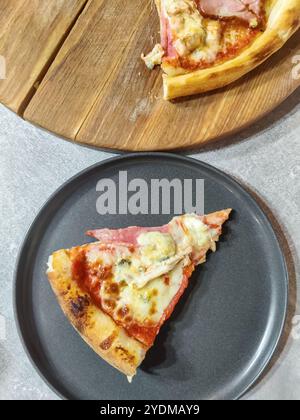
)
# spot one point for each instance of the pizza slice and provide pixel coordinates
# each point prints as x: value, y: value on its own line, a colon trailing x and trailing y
x: 118, y: 292
x: 208, y: 44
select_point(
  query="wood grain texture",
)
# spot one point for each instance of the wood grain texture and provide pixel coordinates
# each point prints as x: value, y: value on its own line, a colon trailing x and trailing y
x: 98, y: 91
x: 103, y: 35
x: 144, y: 121
x: 31, y: 31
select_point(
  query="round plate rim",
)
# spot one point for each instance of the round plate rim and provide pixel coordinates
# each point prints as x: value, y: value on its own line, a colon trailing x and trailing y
x: 156, y: 155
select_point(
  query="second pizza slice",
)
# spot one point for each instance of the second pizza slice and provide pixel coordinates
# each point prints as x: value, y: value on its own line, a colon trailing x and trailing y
x: 208, y: 44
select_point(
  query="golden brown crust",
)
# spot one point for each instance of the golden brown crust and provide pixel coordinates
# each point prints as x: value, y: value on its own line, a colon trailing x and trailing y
x: 283, y: 22
x: 98, y: 330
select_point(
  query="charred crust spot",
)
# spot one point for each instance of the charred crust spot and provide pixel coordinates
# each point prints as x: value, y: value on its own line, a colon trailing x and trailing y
x: 213, y: 76
x: 79, y: 325
x: 106, y: 344
x: 78, y: 306
x: 125, y: 355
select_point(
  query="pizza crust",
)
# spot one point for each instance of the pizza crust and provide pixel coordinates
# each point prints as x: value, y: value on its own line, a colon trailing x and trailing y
x: 283, y: 22
x: 103, y: 335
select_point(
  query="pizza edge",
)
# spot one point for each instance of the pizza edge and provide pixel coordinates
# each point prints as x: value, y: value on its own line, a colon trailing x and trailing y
x: 97, y: 329
x: 278, y: 31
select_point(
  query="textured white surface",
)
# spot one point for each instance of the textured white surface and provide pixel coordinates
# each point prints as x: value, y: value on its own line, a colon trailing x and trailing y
x: 33, y: 164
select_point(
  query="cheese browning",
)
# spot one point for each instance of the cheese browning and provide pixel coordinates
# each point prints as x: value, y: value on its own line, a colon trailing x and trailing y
x: 139, y: 280
x: 139, y: 283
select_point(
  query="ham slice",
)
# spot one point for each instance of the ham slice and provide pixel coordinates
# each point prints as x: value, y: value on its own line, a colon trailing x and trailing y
x: 123, y: 236
x: 130, y: 235
x: 248, y: 10
x: 166, y: 36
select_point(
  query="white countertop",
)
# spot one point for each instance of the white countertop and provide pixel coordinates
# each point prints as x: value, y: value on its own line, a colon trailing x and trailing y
x: 34, y: 163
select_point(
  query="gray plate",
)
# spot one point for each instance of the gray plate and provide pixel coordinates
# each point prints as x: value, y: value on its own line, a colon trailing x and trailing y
x: 221, y: 335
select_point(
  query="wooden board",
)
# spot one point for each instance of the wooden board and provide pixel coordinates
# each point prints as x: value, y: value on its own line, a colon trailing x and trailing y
x: 97, y: 90
x: 85, y: 65
x: 31, y: 32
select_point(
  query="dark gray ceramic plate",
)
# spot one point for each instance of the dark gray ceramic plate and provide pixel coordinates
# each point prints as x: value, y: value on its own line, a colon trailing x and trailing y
x: 221, y: 335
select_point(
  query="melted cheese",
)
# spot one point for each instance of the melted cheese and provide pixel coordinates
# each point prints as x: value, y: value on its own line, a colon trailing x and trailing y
x: 159, y: 253
x: 212, y: 45
x: 154, y: 58
x: 105, y: 258
x: 146, y: 305
x: 156, y: 255
x: 146, y: 280
x: 186, y: 24
x: 192, y: 236
x: 156, y: 246
x: 193, y: 35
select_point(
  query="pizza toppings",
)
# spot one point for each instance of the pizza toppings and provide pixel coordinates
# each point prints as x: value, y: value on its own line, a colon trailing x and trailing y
x: 154, y: 58
x: 140, y: 311
x: 185, y: 24
x: 212, y: 46
x: 119, y: 292
x: 123, y: 236
x: 156, y: 246
x: 137, y: 275
x: 197, y: 34
x: 184, y: 235
x: 247, y: 10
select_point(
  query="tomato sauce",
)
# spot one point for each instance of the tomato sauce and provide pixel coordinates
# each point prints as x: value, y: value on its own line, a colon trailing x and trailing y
x: 83, y: 275
x: 90, y: 278
x: 185, y: 282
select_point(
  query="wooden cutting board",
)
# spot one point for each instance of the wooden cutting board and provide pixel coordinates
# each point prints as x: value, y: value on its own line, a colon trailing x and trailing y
x: 74, y: 68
